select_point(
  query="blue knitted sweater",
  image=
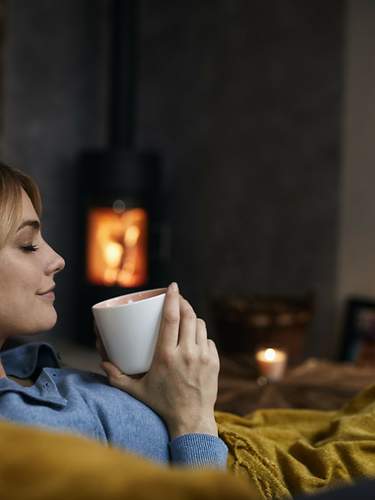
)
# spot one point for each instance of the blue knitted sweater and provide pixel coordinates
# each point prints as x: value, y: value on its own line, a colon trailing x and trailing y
x: 84, y: 403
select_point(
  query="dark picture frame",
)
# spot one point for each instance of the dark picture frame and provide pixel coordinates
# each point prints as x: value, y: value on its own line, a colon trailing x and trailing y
x: 358, y: 343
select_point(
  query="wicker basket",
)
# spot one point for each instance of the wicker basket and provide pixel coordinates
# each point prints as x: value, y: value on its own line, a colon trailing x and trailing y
x: 244, y: 324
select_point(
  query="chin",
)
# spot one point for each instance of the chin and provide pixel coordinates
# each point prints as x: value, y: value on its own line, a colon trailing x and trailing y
x: 46, y: 323
x: 25, y: 326
x: 51, y: 322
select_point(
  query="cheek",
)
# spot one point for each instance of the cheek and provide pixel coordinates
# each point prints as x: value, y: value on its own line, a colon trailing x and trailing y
x: 16, y: 290
x: 21, y: 311
x: 18, y: 275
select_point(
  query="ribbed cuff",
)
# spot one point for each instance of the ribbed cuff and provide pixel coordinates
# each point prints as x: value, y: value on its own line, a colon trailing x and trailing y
x: 199, y: 450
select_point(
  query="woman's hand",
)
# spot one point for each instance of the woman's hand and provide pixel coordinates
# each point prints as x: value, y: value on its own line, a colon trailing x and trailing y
x: 182, y: 383
x: 99, y: 345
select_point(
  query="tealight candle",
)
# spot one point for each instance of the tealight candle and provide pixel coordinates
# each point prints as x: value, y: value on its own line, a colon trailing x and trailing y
x: 271, y: 363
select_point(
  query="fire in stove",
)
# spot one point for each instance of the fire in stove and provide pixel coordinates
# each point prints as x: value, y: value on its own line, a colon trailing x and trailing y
x: 116, y: 252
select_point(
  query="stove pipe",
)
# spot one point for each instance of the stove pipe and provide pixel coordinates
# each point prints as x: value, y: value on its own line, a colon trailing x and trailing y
x: 120, y: 174
x: 123, y: 74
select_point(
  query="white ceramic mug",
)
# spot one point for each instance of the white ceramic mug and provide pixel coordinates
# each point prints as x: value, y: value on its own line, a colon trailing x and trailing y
x: 129, y: 327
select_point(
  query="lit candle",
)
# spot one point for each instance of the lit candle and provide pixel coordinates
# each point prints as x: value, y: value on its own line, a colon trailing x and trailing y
x: 271, y: 363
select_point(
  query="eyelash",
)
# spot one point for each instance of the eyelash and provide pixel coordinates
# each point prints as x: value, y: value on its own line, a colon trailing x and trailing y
x: 30, y: 248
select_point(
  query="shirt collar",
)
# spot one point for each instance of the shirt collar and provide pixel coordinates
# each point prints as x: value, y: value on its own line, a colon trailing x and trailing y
x: 24, y: 360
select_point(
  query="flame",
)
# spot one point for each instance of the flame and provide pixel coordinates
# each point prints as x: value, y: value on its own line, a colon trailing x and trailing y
x: 113, y: 253
x: 131, y: 236
x: 117, y: 247
x: 269, y: 354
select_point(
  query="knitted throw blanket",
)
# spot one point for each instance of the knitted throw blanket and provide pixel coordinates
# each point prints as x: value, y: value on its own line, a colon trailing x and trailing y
x: 284, y: 452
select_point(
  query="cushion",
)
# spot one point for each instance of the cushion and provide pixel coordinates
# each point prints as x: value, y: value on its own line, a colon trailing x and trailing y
x: 45, y: 465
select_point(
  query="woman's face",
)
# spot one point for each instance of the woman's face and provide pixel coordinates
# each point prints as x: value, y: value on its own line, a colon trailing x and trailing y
x: 27, y: 269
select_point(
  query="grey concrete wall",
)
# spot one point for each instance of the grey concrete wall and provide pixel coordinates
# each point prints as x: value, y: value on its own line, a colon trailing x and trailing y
x: 241, y: 98
x: 55, y: 70
x: 356, y: 269
x: 244, y: 98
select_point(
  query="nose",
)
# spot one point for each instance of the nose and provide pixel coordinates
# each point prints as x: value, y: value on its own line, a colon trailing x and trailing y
x: 56, y: 262
x: 60, y: 264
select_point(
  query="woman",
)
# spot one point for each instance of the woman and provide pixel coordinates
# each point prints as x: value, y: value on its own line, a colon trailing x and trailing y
x: 166, y: 415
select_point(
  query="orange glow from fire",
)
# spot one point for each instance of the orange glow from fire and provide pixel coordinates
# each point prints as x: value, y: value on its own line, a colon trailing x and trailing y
x: 117, y: 247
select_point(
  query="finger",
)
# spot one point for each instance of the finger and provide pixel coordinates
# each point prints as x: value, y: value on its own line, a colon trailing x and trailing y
x: 213, y: 349
x: 170, y: 321
x: 211, y: 345
x: 99, y: 344
x: 119, y: 379
x: 96, y: 331
x: 101, y: 349
x: 201, y: 333
x: 188, y: 324
x: 111, y: 370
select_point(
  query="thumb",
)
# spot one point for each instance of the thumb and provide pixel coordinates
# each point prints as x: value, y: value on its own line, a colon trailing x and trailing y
x: 120, y: 380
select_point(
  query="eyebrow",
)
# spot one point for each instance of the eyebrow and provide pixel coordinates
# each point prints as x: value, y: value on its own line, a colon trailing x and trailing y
x: 35, y: 224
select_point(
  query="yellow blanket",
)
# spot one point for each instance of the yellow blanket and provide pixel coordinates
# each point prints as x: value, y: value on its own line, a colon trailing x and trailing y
x: 40, y: 465
x: 284, y: 452
x: 273, y: 453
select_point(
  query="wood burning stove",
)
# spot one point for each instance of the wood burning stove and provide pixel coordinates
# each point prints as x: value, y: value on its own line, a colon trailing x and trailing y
x: 123, y: 237
x: 123, y: 228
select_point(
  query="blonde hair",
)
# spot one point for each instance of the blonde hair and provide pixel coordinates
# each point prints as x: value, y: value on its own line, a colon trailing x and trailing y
x: 12, y: 181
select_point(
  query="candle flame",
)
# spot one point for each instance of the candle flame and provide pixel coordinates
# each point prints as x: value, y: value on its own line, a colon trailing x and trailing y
x: 270, y: 354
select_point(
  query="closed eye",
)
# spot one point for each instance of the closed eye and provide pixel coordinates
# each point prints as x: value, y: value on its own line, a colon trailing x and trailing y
x: 30, y: 248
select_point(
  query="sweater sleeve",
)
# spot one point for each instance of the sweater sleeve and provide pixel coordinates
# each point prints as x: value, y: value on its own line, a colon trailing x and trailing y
x: 198, y: 450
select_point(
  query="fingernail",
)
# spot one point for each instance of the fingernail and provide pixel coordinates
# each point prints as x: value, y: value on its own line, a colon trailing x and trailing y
x: 173, y: 287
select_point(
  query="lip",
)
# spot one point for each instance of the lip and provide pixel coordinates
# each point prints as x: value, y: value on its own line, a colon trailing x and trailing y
x: 48, y: 294
x: 48, y: 291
